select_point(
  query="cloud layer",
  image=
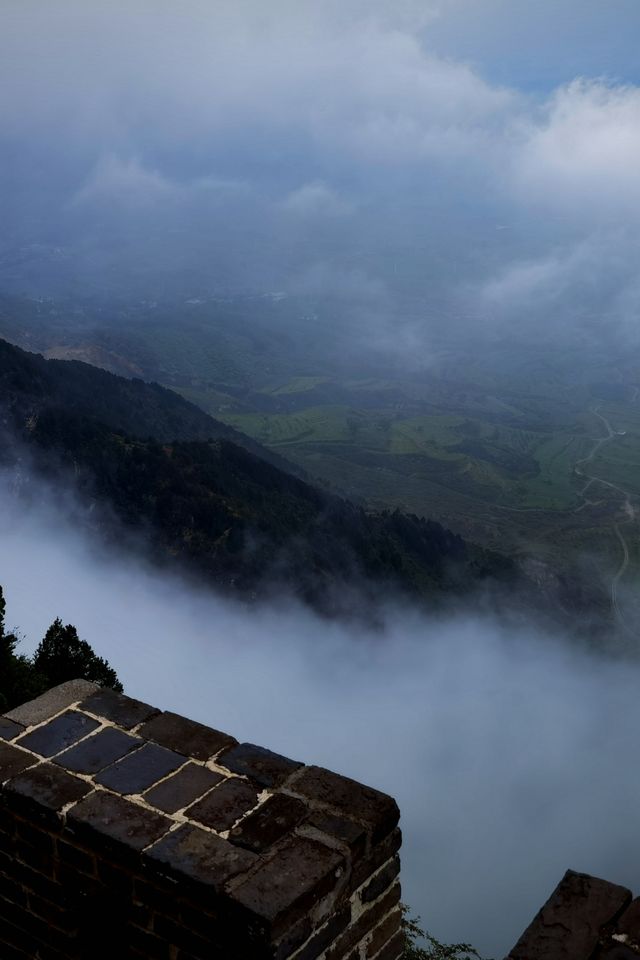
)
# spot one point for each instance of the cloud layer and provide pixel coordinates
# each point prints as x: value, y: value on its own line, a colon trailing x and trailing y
x: 238, y: 146
x: 510, y: 751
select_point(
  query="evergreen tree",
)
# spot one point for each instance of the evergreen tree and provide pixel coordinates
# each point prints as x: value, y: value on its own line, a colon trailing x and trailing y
x: 62, y: 655
x: 18, y: 680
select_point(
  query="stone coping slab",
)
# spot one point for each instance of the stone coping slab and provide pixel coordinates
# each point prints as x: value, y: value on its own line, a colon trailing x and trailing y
x: 270, y: 836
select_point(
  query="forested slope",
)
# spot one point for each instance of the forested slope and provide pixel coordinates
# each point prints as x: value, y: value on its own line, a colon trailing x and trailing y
x: 212, y: 505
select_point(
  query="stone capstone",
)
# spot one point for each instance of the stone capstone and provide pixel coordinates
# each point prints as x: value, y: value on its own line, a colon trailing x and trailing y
x: 192, y: 844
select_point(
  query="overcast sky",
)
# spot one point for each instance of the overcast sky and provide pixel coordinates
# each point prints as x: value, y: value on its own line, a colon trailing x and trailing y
x: 478, y: 155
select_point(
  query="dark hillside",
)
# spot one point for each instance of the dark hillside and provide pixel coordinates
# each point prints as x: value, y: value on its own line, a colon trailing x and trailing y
x: 214, y: 506
x: 29, y: 383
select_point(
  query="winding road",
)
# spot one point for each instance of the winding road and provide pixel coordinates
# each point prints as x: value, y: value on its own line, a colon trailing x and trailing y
x: 628, y: 507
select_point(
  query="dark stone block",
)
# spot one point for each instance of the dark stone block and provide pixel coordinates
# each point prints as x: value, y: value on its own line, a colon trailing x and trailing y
x: 225, y: 804
x: 97, y: 752
x: 326, y: 935
x: 13, y: 761
x: 51, y: 702
x: 616, y: 951
x: 384, y: 932
x: 177, y: 733
x: 9, y: 728
x: 266, y: 768
x: 570, y: 923
x: 376, y: 859
x: 269, y: 823
x: 376, y: 810
x: 352, y: 834
x: 44, y: 790
x: 59, y: 733
x: 629, y: 922
x: 288, y: 885
x: 140, y: 770
x: 381, y: 881
x: 118, y: 708
x: 200, y: 856
x: 364, y: 924
x: 394, y: 949
x: 71, y: 856
x: 112, y: 822
x: 182, y: 788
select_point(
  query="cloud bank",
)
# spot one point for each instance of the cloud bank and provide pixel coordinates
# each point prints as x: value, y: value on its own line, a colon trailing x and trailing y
x: 511, y: 752
x: 242, y: 147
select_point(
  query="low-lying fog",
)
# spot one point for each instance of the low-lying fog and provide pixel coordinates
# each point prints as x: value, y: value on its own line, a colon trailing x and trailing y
x: 512, y: 755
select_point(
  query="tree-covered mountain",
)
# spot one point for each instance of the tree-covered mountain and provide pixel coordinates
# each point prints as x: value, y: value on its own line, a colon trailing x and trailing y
x: 213, y: 505
x: 30, y: 384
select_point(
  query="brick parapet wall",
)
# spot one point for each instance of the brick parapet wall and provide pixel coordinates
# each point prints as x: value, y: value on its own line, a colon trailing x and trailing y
x: 585, y: 918
x: 128, y: 831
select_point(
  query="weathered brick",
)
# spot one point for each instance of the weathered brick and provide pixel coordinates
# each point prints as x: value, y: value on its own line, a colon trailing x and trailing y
x: 153, y: 896
x: 381, y: 881
x: 196, y: 854
x: 270, y: 822
x: 53, y: 914
x: 115, y: 877
x: 43, y: 791
x: 58, y: 734
x: 570, y: 922
x: 51, y: 702
x: 72, y: 856
x: 326, y: 935
x: 173, y: 731
x: 35, y: 857
x: 98, y: 751
x: 382, y: 852
x: 629, y: 922
x: 353, y: 835
x: 365, y: 923
x: 225, y: 804
x: 376, y: 810
x: 111, y: 823
x: 163, y: 890
x: 10, y: 729
x: 31, y: 834
x: 294, y: 937
x: 615, y: 951
x: 180, y: 936
x: 13, y: 761
x: 150, y: 946
x: 393, y: 949
x: 118, y: 708
x: 42, y: 933
x: 284, y: 887
x: 183, y: 788
x: 12, y: 891
x: 33, y: 881
x: 7, y: 824
x: 266, y: 768
x: 136, y: 772
x: 383, y: 933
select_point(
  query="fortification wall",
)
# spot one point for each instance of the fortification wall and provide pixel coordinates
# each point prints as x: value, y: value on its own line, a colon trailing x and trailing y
x: 126, y: 831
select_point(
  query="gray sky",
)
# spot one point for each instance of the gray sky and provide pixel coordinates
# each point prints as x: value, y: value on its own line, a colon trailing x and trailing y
x: 480, y: 154
x: 508, y: 750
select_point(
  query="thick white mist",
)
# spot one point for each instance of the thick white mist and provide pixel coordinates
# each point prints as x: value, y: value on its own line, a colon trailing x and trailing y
x: 512, y: 756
